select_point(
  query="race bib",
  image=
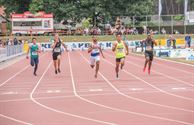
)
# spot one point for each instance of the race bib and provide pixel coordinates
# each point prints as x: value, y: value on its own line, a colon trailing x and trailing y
x: 57, y: 50
x: 120, y: 50
x: 34, y: 53
x: 148, y: 48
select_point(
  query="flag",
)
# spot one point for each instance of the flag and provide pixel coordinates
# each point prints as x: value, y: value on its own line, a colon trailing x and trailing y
x: 185, y: 8
x: 160, y: 7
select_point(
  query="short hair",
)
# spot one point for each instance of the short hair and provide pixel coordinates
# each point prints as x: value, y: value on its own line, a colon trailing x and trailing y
x: 33, y: 38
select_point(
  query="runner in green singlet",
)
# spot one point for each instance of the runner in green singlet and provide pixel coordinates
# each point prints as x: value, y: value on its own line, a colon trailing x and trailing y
x: 34, y: 55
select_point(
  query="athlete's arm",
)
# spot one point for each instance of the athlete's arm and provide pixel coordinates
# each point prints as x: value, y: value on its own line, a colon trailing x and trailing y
x: 101, y: 52
x: 90, y: 49
x: 54, y: 44
x: 65, y: 47
x: 127, y: 49
x: 114, y: 47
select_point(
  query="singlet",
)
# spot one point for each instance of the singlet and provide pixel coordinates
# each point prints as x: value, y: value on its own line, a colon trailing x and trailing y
x: 33, y: 51
x: 95, y: 52
x: 57, y: 48
x: 149, y: 44
x: 120, y: 50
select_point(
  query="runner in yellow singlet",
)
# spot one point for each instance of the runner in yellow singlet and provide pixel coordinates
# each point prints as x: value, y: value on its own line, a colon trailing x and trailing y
x: 121, y: 50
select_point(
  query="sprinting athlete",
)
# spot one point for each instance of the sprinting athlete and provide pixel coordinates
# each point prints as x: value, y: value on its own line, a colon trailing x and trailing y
x: 34, y: 55
x: 149, y: 45
x: 95, y: 50
x: 121, y: 50
x: 57, y: 53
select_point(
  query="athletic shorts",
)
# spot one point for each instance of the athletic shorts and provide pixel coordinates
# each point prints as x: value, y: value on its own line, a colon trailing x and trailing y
x: 94, y: 59
x: 149, y: 54
x: 55, y: 55
x: 119, y: 59
x: 34, y: 61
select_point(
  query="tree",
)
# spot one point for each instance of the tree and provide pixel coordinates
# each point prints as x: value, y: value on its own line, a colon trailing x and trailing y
x: 18, y: 6
x: 36, y: 5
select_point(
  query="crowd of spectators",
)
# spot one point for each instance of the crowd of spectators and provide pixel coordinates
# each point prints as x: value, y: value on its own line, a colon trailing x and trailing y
x: 10, y: 42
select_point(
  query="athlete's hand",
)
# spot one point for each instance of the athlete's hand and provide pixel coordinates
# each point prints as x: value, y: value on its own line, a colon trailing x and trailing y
x: 115, y: 44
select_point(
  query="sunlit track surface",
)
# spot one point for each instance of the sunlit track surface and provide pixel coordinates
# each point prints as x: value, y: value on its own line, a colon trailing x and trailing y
x: 166, y: 97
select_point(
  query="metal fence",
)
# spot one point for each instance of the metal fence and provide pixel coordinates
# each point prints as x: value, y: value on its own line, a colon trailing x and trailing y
x: 162, y: 24
x: 10, y: 51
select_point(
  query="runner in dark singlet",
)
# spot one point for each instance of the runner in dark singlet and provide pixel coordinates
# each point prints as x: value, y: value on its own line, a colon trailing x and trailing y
x: 149, y: 45
x: 57, y: 53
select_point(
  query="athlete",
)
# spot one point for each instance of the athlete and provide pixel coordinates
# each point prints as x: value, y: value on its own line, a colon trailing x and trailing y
x: 57, y: 52
x: 121, y: 50
x: 95, y: 50
x: 149, y: 45
x: 34, y: 55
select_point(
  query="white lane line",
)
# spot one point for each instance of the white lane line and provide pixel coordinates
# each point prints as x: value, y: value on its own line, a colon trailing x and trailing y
x: 136, y: 113
x: 13, y: 76
x: 95, y: 90
x: 167, y: 60
x: 58, y: 111
x: 135, y: 89
x: 131, y: 74
x: 77, y: 95
x: 138, y: 78
x: 178, y: 88
x: 163, y: 64
x: 53, y: 91
x: 9, y: 93
x: 137, y: 99
x: 16, y: 120
x: 9, y: 80
x: 162, y: 74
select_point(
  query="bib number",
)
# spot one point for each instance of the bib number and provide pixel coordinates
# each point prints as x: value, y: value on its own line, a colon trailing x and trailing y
x: 57, y: 50
x: 148, y: 48
x: 120, y: 50
x: 34, y: 53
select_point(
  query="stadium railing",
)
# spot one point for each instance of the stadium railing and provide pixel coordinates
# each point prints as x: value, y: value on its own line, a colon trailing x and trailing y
x: 10, y: 51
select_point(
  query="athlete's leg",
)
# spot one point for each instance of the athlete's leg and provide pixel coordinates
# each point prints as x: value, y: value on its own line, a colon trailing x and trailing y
x: 118, y: 61
x: 59, y: 62
x: 36, y: 60
x: 146, y: 61
x: 150, y: 62
x: 92, y: 62
x: 97, y: 68
x: 122, y: 62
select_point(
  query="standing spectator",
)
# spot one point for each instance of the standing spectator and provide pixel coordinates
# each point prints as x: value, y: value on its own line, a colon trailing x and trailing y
x: 163, y: 31
x: 172, y: 41
x: 187, y: 41
x: 15, y: 41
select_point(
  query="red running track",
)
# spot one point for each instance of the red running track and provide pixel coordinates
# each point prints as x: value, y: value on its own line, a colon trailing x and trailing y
x: 75, y: 97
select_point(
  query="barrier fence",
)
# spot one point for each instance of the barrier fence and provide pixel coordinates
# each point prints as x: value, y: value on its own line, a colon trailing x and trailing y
x: 10, y: 51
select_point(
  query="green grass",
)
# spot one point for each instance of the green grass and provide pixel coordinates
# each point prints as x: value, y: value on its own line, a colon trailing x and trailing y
x: 88, y: 38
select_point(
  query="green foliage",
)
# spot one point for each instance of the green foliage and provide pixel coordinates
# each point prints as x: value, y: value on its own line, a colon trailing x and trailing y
x: 36, y: 5
x: 178, y: 17
x: 78, y: 9
x: 86, y: 23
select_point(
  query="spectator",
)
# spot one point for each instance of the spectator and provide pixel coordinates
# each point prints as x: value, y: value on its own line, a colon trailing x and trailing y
x: 170, y: 41
x: 163, y: 31
x: 15, y: 41
x: 187, y: 41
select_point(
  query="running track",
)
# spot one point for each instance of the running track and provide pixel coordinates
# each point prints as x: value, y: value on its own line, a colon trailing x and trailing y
x: 75, y: 97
